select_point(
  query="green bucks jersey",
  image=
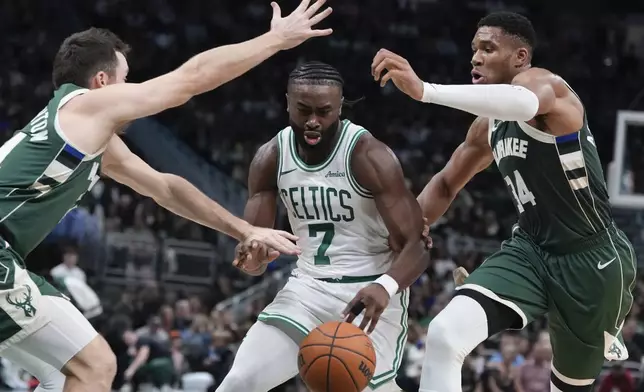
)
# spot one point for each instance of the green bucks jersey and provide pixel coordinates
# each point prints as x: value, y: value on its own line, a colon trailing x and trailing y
x: 340, y: 230
x: 557, y: 183
x: 42, y: 176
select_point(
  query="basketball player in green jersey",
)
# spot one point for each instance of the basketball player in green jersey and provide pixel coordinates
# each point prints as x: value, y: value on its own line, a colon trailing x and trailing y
x: 50, y: 164
x: 345, y: 194
x: 566, y: 259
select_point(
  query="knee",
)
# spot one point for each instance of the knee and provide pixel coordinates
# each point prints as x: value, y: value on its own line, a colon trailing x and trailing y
x: 95, y: 364
x: 440, y: 335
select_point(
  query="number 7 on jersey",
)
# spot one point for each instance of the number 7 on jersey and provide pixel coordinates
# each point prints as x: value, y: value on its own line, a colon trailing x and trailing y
x: 329, y: 232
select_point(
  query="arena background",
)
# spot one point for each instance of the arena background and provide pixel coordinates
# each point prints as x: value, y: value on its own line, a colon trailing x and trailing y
x: 170, y: 280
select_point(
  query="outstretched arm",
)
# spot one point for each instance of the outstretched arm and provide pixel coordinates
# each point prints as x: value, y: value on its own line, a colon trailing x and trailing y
x: 534, y: 92
x: 184, y: 199
x: 124, y: 102
x: 378, y: 170
x: 472, y: 156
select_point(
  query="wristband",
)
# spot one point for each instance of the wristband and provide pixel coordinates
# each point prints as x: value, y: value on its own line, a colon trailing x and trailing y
x: 389, y: 284
x: 427, y: 93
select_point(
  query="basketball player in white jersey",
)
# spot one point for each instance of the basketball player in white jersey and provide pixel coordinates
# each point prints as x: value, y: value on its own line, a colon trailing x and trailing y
x: 345, y: 193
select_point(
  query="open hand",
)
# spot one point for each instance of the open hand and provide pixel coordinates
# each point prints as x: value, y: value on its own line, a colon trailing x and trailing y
x: 279, y: 240
x: 399, y: 71
x: 374, y: 299
x: 296, y: 28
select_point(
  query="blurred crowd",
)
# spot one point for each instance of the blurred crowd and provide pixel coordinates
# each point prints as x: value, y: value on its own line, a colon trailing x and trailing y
x: 168, y: 336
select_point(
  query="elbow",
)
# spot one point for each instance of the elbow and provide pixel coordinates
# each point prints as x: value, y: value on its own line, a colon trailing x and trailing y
x: 525, y: 107
x: 529, y: 104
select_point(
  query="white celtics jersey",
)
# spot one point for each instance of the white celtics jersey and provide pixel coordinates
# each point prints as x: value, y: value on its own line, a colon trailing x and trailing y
x: 340, y: 231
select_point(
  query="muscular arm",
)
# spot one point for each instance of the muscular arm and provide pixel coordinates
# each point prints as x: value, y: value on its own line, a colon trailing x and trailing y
x: 261, y: 206
x: 472, y: 156
x: 562, y: 110
x: 169, y: 191
x: 377, y: 169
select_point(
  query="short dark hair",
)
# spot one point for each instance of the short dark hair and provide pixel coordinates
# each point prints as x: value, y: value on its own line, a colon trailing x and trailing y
x: 84, y: 54
x: 315, y: 72
x: 513, y: 24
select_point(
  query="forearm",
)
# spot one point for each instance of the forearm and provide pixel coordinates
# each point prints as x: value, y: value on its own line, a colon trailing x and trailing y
x: 435, y: 199
x: 410, y: 263
x: 185, y: 200
x: 217, y: 66
x: 498, y: 101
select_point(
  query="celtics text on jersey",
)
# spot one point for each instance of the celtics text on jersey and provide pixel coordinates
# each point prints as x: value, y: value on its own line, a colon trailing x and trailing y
x: 340, y: 230
x: 557, y: 183
x: 42, y: 176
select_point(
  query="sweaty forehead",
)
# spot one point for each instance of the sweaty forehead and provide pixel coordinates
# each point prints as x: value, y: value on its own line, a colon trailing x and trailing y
x: 489, y: 34
x: 315, y: 95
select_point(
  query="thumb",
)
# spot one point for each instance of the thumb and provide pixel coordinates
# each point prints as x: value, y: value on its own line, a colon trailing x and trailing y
x: 277, y: 12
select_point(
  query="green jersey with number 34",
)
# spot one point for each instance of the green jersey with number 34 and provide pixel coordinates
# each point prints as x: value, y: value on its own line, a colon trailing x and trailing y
x: 42, y: 176
x: 557, y: 183
x: 340, y: 230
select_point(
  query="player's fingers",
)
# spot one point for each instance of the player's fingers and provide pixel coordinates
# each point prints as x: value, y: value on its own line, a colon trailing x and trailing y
x: 320, y: 17
x: 349, y: 315
x: 304, y: 4
x: 272, y: 255
x: 287, y: 235
x: 367, y: 317
x: 387, y: 77
x: 313, y: 9
x: 277, y: 12
x: 321, y: 33
x: 282, y: 245
x: 389, y: 64
x: 374, y: 320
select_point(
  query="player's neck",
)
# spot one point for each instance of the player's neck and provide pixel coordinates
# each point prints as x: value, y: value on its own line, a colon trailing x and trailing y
x: 315, y: 156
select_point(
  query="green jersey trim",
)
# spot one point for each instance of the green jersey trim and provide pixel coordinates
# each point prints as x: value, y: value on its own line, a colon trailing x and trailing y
x: 279, y: 155
x: 359, y: 189
x: 313, y: 168
x: 59, y: 129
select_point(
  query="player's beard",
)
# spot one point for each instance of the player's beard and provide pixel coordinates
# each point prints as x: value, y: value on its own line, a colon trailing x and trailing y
x: 326, y: 140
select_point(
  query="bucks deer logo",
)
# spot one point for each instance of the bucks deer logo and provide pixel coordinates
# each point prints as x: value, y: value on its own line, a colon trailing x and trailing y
x: 24, y: 303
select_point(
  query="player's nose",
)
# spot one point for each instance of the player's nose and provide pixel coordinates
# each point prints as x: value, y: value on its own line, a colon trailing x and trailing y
x: 476, y: 61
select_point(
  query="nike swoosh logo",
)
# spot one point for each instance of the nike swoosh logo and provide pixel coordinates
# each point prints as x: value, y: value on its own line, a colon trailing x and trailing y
x: 287, y: 171
x: 604, y: 265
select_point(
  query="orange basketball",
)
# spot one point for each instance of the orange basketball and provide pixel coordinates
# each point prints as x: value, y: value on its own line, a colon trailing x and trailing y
x: 337, y: 357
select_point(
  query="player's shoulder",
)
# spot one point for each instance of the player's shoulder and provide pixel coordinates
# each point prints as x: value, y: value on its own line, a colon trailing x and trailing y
x: 268, y: 151
x: 543, y: 75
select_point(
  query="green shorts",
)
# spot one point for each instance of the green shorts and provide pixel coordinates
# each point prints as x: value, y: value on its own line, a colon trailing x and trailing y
x: 586, y: 294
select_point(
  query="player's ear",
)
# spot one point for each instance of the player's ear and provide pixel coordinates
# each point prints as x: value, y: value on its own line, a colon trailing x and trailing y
x: 521, y: 57
x: 101, y: 79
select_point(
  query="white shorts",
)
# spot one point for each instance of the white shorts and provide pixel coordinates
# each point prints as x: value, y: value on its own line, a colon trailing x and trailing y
x: 65, y: 334
x: 305, y: 303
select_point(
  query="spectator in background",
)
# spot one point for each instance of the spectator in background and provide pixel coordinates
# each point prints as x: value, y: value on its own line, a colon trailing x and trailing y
x: 151, y: 362
x: 618, y: 380
x: 629, y: 333
x: 500, y: 376
x: 219, y: 357
x: 507, y: 338
x: 413, y: 356
x: 534, y: 374
x: 153, y: 330
x: 69, y: 266
x: 182, y: 315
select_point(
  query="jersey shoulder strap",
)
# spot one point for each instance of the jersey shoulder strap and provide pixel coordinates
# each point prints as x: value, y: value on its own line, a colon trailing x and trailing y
x: 353, y: 133
x: 285, y: 161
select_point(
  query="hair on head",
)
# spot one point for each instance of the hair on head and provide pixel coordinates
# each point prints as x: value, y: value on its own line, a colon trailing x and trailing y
x: 315, y: 72
x: 513, y: 24
x: 85, y: 53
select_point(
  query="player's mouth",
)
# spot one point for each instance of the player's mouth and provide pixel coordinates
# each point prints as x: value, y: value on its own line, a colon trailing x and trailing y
x: 312, y: 137
x: 477, y: 77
